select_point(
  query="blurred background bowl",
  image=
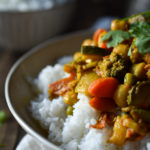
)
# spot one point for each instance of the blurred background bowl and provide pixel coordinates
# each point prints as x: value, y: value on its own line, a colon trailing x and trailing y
x: 23, y: 30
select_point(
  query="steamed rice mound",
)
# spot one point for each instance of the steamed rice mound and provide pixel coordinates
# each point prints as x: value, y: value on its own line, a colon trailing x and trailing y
x: 73, y: 132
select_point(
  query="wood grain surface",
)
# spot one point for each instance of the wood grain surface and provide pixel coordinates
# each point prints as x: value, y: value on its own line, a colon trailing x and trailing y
x: 10, y: 132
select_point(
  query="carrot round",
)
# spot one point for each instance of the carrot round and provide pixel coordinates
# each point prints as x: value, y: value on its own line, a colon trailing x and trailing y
x: 103, y: 87
x: 102, y: 104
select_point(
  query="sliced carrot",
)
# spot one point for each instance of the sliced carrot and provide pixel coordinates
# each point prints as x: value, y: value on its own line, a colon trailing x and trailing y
x: 103, y: 87
x: 97, y: 33
x: 61, y: 86
x: 102, y: 104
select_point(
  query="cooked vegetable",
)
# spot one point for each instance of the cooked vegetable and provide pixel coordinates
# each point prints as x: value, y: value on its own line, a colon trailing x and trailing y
x: 122, y: 49
x: 145, y: 14
x: 137, y: 18
x: 121, y: 94
x: 119, y: 25
x: 69, y: 110
x: 116, y: 37
x: 79, y: 57
x: 113, y: 70
x: 148, y: 74
x: 102, y: 44
x: 97, y: 34
x: 115, y: 66
x: 70, y: 98
x: 60, y: 87
x: 147, y: 58
x: 85, y: 81
x: 129, y: 78
x: 119, y: 132
x: 139, y: 95
x: 89, y: 65
x: 101, y: 122
x: 138, y: 70
x: 103, y: 87
x: 140, y: 114
x: 88, y: 42
x: 131, y: 124
x: 141, y: 30
x: 69, y: 68
x: 135, y: 56
x: 94, y: 50
x: 102, y: 104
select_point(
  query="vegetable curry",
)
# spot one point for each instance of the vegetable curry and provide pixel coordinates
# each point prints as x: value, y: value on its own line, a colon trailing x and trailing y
x: 113, y: 70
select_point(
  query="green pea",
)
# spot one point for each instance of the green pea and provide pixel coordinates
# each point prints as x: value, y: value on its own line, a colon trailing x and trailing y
x: 69, y: 110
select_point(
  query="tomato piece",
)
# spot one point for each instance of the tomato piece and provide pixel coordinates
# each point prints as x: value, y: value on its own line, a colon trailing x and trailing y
x: 97, y: 33
x: 61, y: 86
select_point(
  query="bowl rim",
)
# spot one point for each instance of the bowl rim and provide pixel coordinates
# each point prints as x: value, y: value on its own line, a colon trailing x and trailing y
x: 13, y: 12
x: 21, y: 122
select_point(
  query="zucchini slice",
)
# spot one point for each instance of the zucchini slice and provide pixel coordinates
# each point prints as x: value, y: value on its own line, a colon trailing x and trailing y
x: 140, y: 114
x: 139, y: 95
x: 95, y: 50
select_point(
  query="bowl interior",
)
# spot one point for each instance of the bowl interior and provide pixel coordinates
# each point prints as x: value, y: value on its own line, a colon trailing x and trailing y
x: 18, y: 89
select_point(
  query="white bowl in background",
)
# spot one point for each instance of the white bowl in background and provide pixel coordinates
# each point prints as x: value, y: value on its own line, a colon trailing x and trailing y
x: 23, y: 30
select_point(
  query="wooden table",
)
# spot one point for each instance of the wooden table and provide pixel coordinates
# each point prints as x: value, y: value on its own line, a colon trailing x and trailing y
x: 10, y: 132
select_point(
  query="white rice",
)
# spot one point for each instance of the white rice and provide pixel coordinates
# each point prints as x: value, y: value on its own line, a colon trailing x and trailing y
x: 27, y: 5
x: 73, y: 132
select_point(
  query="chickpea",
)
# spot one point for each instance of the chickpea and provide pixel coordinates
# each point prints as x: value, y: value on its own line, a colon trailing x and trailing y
x: 138, y: 70
x: 70, y: 98
x: 88, y: 42
x: 122, y: 49
x: 119, y: 25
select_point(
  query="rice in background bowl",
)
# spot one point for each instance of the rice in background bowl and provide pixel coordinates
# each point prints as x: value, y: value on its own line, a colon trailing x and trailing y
x: 21, y: 30
x: 29, y: 5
